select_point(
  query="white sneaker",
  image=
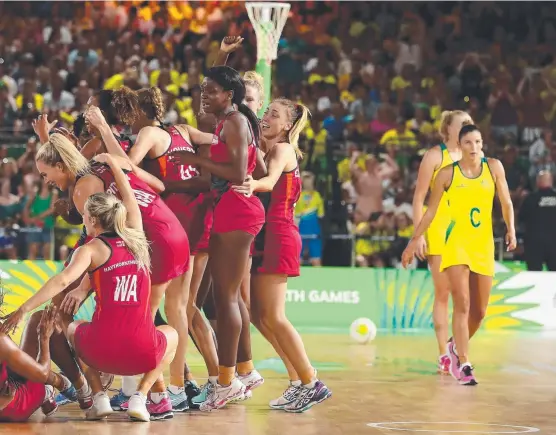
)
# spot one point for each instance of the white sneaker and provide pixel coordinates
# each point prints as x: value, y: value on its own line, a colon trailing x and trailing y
x: 287, y: 397
x: 252, y: 380
x: 137, y: 408
x: 101, y: 407
x: 220, y: 395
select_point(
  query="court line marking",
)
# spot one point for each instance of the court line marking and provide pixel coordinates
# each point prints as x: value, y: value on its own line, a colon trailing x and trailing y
x: 381, y: 426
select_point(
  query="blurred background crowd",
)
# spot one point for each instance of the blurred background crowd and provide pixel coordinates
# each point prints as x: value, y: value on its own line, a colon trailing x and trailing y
x: 375, y: 75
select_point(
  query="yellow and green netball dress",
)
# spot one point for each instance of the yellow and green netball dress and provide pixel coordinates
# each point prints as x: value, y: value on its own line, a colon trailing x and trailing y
x: 436, y: 233
x: 469, y: 238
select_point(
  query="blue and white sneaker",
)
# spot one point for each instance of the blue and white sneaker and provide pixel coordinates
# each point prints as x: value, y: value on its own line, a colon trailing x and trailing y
x: 308, y: 397
x: 287, y: 397
x: 69, y: 395
x: 179, y: 400
x: 119, y: 401
x: 206, y: 390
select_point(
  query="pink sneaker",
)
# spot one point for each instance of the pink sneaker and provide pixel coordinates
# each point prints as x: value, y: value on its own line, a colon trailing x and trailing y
x: 444, y: 365
x: 467, y: 377
x: 160, y: 411
x: 454, y: 360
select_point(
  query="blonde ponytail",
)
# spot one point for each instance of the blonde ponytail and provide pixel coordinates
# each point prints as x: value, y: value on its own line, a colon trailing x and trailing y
x: 446, y: 119
x: 112, y: 216
x: 59, y: 149
x: 299, y: 114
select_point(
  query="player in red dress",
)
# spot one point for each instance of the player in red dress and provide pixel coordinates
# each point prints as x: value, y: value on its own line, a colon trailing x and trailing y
x: 23, y: 376
x: 277, y: 252
x: 117, y: 261
x: 186, y: 194
x: 237, y: 219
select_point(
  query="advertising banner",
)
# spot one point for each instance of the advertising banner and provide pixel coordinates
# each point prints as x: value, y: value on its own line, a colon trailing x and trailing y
x: 329, y: 299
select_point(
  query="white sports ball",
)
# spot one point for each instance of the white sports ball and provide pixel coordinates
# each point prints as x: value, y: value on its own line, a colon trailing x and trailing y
x: 362, y: 330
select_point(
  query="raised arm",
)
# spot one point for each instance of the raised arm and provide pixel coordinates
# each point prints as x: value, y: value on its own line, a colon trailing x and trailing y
x: 505, y: 198
x: 95, y: 118
x: 228, y: 45
x: 134, y: 219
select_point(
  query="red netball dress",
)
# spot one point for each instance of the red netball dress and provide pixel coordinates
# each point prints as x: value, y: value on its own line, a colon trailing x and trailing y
x: 121, y: 337
x: 28, y: 397
x: 193, y: 211
x: 277, y: 247
x: 234, y: 211
x: 126, y: 142
x: 169, y: 243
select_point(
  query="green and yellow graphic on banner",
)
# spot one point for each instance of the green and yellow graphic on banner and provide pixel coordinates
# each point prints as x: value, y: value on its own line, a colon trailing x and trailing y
x: 326, y: 299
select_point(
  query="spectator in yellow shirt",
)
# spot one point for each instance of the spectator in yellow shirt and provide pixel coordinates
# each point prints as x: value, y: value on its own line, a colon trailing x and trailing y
x: 401, y: 136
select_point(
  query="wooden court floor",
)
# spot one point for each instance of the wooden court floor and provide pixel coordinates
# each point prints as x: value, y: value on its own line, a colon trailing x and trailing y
x: 387, y: 387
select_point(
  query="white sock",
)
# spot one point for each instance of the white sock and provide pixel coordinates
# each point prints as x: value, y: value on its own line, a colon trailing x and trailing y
x: 141, y: 396
x: 157, y: 397
x: 311, y: 384
x: 67, y: 382
x: 295, y: 383
x: 175, y: 390
x: 85, y: 390
x: 213, y: 380
x: 129, y: 385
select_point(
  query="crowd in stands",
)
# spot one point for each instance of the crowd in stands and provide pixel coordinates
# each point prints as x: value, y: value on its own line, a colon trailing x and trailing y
x: 375, y: 75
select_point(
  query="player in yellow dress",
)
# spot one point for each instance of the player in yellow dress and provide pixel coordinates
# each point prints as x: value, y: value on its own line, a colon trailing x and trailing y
x: 430, y: 245
x: 468, y: 253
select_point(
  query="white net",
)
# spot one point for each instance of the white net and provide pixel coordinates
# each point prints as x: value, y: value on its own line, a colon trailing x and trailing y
x: 268, y: 21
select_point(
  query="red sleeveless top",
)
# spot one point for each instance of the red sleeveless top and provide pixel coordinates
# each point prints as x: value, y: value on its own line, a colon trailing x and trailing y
x: 283, y: 197
x: 123, y: 290
x: 166, y: 169
x: 151, y: 205
x: 219, y: 154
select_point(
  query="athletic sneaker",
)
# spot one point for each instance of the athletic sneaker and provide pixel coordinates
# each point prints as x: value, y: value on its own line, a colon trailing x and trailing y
x: 203, y: 395
x: 444, y: 364
x: 161, y: 410
x: 49, y: 406
x: 137, y: 409
x: 308, y: 397
x: 119, y: 401
x: 466, y: 376
x: 252, y: 380
x: 69, y: 395
x: 454, y: 359
x: 101, y: 407
x: 221, y: 395
x: 179, y: 400
x: 287, y: 397
x: 192, y: 390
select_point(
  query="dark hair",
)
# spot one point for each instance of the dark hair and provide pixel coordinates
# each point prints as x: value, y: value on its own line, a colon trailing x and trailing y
x: 152, y: 103
x: 230, y: 80
x: 78, y: 125
x: 469, y: 128
x: 120, y: 106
